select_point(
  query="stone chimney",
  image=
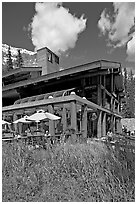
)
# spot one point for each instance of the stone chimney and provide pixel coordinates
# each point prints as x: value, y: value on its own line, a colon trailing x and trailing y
x: 48, y: 60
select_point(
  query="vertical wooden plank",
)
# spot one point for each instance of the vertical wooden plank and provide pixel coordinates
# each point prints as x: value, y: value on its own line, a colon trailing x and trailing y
x: 99, y: 125
x: 119, y: 126
x: 64, y: 118
x: 104, y: 125
x: 118, y: 108
x: 51, y: 122
x: 111, y: 104
x: 99, y: 98
x: 73, y: 115
x: 15, y: 117
x: 112, y: 123
x: 104, y: 93
x: 112, y: 81
x: 84, y: 122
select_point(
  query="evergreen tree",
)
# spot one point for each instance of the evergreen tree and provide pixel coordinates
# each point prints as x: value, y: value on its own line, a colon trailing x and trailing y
x: 125, y: 79
x: 9, y: 60
x: 131, y: 95
x: 128, y: 109
x: 19, y: 60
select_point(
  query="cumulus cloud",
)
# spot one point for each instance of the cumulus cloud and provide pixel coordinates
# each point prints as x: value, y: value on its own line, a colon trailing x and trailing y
x: 53, y: 26
x: 120, y: 27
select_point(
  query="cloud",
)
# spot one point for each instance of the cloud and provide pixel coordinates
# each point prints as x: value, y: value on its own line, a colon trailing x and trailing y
x: 131, y: 49
x: 120, y: 27
x: 53, y: 26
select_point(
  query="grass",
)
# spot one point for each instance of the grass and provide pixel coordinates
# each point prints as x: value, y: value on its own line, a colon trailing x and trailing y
x: 89, y: 172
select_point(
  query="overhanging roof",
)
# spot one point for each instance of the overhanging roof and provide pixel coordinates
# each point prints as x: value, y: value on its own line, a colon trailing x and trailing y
x: 100, y: 64
x: 21, y: 70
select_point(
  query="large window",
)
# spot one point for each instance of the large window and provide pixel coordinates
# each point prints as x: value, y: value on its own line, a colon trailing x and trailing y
x: 49, y: 56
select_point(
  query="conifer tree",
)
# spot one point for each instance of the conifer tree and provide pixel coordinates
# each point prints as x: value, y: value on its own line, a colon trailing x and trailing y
x: 19, y: 60
x: 9, y: 60
x: 128, y: 109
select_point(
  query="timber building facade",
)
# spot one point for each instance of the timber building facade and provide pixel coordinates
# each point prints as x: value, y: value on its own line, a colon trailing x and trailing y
x: 87, y: 97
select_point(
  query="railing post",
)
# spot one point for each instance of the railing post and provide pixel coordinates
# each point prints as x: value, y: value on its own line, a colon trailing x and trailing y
x: 73, y: 115
x: 15, y: 117
x: 51, y: 122
x: 99, y: 125
x: 64, y: 118
x: 84, y: 122
x: 104, y: 125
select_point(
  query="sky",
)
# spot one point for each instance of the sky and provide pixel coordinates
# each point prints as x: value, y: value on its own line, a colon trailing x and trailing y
x: 79, y: 32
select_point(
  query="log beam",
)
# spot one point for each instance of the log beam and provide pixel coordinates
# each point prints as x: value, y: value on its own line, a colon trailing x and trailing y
x: 51, y: 122
x: 84, y: 122
x: 99, y: 125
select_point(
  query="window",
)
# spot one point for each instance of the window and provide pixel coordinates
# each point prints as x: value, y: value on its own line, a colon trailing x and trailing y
x: 57, y: 59
x: 49, y: 56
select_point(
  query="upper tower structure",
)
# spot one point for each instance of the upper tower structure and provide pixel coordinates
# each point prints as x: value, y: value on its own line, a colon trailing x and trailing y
x: 48, y: 60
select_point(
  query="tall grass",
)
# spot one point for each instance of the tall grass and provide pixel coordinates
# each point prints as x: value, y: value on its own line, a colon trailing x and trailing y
x: 82, y: 172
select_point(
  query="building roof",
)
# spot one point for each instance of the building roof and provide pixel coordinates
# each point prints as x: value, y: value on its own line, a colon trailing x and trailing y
x: 89, y: 67
x: 21, y: 70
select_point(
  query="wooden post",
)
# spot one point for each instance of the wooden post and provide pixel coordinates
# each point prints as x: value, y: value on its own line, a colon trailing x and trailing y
x: 112, y: 123
x: 111, y: 104
x: 64, y: 118
x: 15, y: 117
x: 99, y: 98
x: 84, y: 122
x: 104, y: 93
x: 112, y: 81
x: 51, y: 122
x: 119, y: 126
x: 118, y: 108
x: 114, y: 105
x: 73, y: 115
x: 99, y: 125
x: 73, y: 131
x: 104, y: 125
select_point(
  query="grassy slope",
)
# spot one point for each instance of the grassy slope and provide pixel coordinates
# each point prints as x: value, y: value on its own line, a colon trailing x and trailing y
x: 80, y: 172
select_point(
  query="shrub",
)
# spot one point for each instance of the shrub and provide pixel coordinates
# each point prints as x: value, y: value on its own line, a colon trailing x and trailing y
x: 82, y: 172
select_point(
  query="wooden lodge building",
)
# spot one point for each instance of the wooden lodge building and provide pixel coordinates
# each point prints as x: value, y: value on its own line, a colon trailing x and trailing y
x: 87, y: 97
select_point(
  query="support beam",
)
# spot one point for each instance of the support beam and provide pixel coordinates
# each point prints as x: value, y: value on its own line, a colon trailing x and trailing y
x: 112, y: 81
x: 119, y: 126
x: 99, y: 125
x: 51, y: 122
x: 99, y: 98
x: 15, y: 117
x: 104, y: 93
x: 64, y: 118
x: 104, y: 125
x: 73, y: 115
x: 112, y: 123
x: 84, y: 122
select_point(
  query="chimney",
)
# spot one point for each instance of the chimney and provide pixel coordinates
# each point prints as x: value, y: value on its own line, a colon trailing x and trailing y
x: 48, y: 60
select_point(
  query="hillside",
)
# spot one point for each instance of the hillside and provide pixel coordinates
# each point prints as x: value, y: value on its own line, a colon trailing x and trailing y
x: 29, y: 57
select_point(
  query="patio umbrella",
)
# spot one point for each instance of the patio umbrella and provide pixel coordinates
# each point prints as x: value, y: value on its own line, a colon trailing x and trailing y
x: 41, y: 115
x: 4, y: 122
x: 51, y: 116
x: 25, y: 119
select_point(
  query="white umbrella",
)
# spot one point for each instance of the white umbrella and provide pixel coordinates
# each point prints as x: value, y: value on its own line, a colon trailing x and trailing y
x: 41, y: 115
x: 25, y: 119
x: 4, y: 122
x: 52, y: 116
